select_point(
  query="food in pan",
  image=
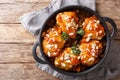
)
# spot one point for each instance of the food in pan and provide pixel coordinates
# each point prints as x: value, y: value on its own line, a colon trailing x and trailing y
x: 90, y: 52
x: 74, y: 43
x: 68, y: 22
x: 67, y: 60
x: 53, y: 42
x: 93, y: 29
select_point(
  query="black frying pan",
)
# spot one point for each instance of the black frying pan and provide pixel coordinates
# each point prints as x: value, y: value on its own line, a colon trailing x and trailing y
x: 108, y: 37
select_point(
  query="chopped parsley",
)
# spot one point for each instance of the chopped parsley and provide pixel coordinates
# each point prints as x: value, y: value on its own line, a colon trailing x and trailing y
x: 81, y: 32
x: 65, y: 36
x: 75, y: 49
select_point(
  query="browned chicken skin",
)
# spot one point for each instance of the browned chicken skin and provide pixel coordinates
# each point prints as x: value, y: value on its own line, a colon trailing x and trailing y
x: 90, y: 52
x: 93, y: 29
x: 67, y: 28
x: 68, y: 23
x: 67, y: 60
x: 53, y: 42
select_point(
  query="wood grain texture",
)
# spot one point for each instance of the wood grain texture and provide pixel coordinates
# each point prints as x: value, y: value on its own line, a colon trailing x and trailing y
x: 15, y: 33
x: 25, y: 1
x: 16, y: 53
x: 23, y: 72
x: 11, y: 12
x: 109, y: 8
x: 16, y: 61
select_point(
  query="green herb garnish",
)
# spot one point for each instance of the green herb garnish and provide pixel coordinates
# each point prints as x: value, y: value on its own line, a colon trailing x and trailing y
x: 75, y: 50
x: 81, y: 32
x: 65, y: 36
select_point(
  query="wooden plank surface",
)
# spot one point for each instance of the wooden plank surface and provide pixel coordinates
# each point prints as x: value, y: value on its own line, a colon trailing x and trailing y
x: 11, y: 10
x: 18, y: 29
x: 109, y: 8
x: 16, y: 61
x: 15, y: 33
x: 24, y: 1
x: 16, y: 53
x: 17, y: 71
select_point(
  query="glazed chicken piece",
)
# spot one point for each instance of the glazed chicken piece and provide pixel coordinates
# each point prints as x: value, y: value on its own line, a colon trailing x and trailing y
x: 52, y: 42
x: 90, y: 52
x: 87, y: 59
x: 93, y: 29
x: 68, y: 22
x: 68, y: 60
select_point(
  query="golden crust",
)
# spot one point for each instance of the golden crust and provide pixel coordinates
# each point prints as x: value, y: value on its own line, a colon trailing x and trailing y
x: 54, y: 45
x: 93, y: 29
x: 90, y: 52
x: 53, y: 42
x: 68, y: 22
x: 67, y: 60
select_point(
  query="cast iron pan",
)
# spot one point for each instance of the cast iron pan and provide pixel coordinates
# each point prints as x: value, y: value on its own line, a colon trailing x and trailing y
x: 108, y: 37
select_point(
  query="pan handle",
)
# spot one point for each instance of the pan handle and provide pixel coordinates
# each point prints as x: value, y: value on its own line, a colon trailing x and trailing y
x: 114, y: 27
x: 35, y: 56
